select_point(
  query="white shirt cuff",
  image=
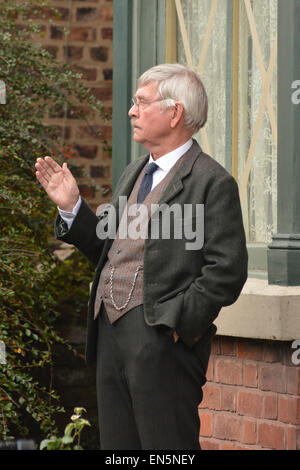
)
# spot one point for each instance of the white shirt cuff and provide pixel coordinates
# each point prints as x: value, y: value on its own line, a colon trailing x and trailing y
x: 68, y: 217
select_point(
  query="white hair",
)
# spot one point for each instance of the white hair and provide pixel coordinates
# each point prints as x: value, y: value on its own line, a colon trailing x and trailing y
x: 176, y: 82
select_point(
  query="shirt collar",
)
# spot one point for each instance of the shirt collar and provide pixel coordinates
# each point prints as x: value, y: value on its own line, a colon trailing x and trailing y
x: 166, y: 162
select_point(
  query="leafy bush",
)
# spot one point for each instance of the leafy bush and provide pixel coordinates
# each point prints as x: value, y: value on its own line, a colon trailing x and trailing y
x: 32, y: 279
x: 72, y: 434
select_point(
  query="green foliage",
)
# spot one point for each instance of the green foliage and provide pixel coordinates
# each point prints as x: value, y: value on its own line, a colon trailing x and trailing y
x: 71, y: 437
x: 32, y: 279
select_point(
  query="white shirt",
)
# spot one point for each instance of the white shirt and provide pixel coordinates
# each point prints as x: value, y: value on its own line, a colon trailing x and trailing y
x: 165, y: 163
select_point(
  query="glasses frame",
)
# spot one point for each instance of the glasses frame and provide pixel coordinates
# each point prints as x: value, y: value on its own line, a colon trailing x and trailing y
x: 143, y: 103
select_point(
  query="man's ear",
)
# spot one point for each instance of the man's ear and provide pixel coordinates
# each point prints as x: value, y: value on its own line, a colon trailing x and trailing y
x: 177, y: 114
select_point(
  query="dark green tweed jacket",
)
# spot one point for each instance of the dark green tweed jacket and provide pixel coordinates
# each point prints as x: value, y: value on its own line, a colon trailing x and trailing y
x: 183, y: 289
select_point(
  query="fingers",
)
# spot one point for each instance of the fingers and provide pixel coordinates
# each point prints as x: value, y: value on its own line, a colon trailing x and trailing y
x: 46, y: 167
x: 42, y: 180
x: 65, y: 168
x: 52, y: 164
x: 42, y: 174
x: 175, y: 336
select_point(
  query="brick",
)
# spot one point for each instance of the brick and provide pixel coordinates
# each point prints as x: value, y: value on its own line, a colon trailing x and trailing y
x: 215, y: 345
x: 250, y: 349
x: 271, y: 435
x: 79, y: 112
x: 270, y: 406
x: 228, y: 398
x: 107, y: 33
x: 99, y: 171
x: 228, y: 346
x: 69, y: 152
x: 291, y: 438
x: 87, y: 73
x: 272, y: 377
x: 250, y: 403
x: 272, y: 351
x: 88, y: 132
x: 289, y: 409
x: 250, y: 374
x: 53, y: 50
x: 207, y: 444
x: 62, y: 132
x: 206, y: 423
x: 293, y: 380
x: 102, y: 93
x: 228, y: 426
x: 86, y: 191
x: 80, y: 33
x: 298, y: 438
x: 249, y: 431
x: 108, y: 110
x: 56, y: 33
x: 106, y: 14
x: 211, y: 397
x: 73, y: 52
x: 230, y: 446
x: 85, y: 132
x: 228, y: 371
x: 87, y: 151
x: 210, y: 370
x: 107, y: 74
x: 99, y: 53
x: 87, y: 14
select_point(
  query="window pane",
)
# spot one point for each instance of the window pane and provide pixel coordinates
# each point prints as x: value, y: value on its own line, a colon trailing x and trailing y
x: 207, y: 37
x: 257, y: 137
x: 214, y: 70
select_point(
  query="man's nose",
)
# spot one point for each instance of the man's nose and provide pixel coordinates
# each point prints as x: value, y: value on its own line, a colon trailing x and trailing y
x: 134, y: 110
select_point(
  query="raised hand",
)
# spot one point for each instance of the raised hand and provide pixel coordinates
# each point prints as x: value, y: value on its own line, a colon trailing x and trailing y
x: 58, y: 182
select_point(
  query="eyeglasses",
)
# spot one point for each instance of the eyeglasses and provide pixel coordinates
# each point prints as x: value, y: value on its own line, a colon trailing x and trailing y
x: 143, y: 103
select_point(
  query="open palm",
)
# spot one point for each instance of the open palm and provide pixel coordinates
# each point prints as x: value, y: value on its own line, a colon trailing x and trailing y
x: 58, y: 182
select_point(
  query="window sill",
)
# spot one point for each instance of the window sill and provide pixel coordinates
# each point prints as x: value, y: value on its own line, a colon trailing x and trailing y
x: 262, y: 311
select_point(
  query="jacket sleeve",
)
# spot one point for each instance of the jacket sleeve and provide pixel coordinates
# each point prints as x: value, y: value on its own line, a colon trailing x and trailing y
x: 225, y: 265
x: 82, y: 233
x: 88, y: 230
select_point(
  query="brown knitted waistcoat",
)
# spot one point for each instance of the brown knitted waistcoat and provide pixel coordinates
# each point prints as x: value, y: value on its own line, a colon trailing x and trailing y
x: 121, y: 280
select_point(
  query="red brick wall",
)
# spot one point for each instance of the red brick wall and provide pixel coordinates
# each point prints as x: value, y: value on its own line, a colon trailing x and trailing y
x: 88, y: 49
x: 251, y: 398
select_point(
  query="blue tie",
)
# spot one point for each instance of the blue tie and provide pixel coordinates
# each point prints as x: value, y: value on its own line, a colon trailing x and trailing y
x: 146, y: 183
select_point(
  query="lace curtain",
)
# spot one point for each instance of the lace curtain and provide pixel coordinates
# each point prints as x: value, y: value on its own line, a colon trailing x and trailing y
x: 260, y: 200
x: 196, y: 15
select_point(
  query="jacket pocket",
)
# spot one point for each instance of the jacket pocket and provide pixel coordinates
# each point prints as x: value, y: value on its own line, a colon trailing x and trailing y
x: 168, y: 309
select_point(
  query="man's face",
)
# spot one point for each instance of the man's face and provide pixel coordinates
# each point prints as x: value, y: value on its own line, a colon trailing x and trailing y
x: 150, y: 120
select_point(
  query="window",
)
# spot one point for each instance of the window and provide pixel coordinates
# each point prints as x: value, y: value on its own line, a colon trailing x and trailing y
x: 233, y: 45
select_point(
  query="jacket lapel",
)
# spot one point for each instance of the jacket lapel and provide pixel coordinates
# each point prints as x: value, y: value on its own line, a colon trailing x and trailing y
x: 127, y: 183
x: 176, y: 185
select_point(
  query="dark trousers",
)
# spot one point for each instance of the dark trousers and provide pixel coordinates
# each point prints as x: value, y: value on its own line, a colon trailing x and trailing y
x: 148, y: 386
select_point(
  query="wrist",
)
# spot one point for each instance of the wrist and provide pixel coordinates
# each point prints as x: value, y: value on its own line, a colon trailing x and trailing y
x: 70, y: 206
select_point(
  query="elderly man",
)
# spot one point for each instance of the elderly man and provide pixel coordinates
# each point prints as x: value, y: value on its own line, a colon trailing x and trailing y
x: 155, y: 297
